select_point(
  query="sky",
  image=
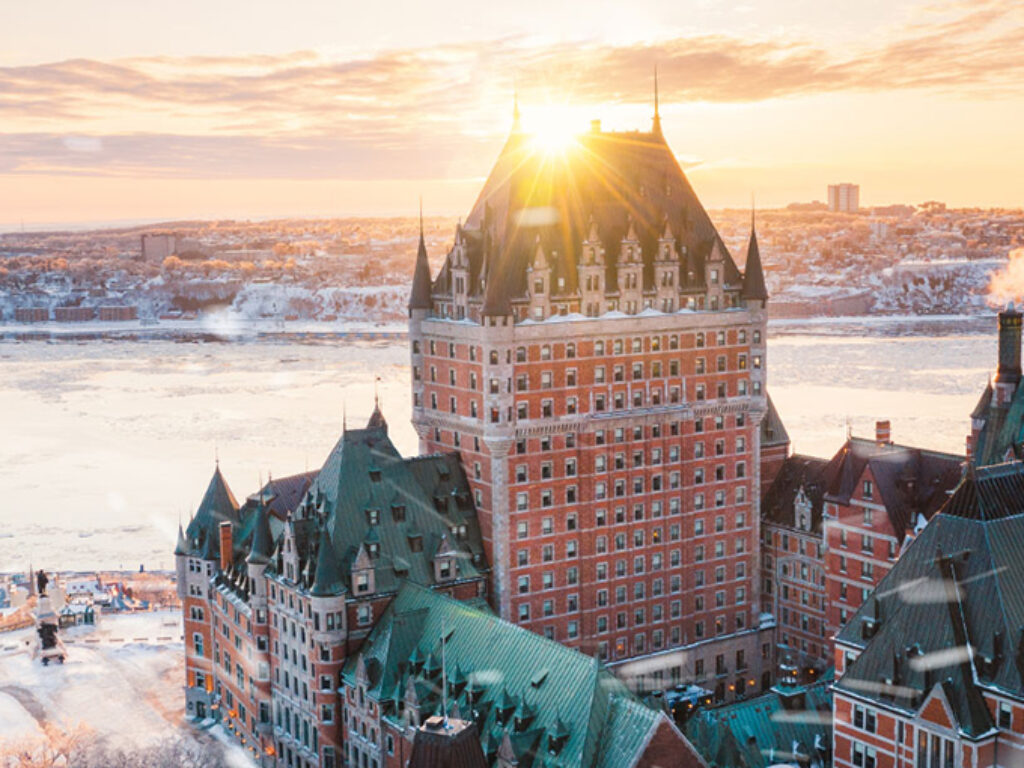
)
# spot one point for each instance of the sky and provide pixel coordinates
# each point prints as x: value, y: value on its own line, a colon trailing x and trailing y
x: 117, y: 110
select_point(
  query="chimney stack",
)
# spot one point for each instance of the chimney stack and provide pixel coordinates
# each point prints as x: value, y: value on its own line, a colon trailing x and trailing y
x: 1008, y: 374
x: 883, y: 433
x: 226, y: 546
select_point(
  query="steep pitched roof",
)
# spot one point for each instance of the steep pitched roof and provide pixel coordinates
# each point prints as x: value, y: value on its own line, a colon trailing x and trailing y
x: 327, y: 579
x: 1002, y: 435
x: 367, y: 493
x: 419, y: 298
x: 949, y: 613
x: 512, y: 676
x: 798, y: 474
x: 612, y: 181
x: 773, y: 431
x: 754, y: 288
x: 909, y: 481
x: 218, y: 505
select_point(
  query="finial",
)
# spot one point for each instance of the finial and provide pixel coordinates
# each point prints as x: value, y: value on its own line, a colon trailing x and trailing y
x: 376, y: 394
x: 752, y: 209
x: 421, y: 217
x: 657, y: 114
x: 344, y: 418
x: 216, y: 456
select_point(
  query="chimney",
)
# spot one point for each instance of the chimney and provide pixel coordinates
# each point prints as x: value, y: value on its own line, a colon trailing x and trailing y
x: 1008, y: 373
x: 226, y: 547
x: 883, y: 433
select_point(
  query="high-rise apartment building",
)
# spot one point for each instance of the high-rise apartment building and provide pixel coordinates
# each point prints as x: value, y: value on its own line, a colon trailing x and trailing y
x: 844, y: 197
x: 591, y: 349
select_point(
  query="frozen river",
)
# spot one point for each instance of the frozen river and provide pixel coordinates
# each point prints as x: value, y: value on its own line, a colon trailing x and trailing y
x: 105, y: 444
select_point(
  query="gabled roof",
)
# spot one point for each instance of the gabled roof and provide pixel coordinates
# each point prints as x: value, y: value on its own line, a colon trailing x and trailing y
x: 949, y: 613
x: 607, y: 182
x: 909, y: 481
x: 568, y: 695
x: 798, y: 474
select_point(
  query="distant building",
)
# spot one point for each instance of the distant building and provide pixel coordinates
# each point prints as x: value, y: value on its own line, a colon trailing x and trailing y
x: 31, y: 314
x: 157, y: 246
x: 844, y: 197
x: 74, y: 314
x: 118, y: 313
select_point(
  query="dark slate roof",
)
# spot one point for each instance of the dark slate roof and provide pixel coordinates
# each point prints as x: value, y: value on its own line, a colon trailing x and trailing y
x: 947, y: 618
x: 909, y: 481
x: 327, y: 579
x: 456, y: 745
x: 553, y: 691
x: 607, y: 181
x: 261, y: 545
x: 754, y: 288
x: 284, y: 494
x: 773, y: 431
x: 763, y: 730
x: 218, y: 505
x: 806, y: 473
x: 419, y: 298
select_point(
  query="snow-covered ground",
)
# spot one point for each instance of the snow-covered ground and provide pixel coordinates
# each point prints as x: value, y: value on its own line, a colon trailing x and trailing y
x: 122, y: 680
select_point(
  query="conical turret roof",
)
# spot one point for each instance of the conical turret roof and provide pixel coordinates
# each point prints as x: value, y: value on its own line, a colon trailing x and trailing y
x: 182, y: 546
x: 262, y: 539
x: 420, y: 296
x: 753, y: 274
x: 328, y: 580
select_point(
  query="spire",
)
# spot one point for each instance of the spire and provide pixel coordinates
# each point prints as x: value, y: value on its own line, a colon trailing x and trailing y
x: 420, y: 296
x: 753, y: 274
x: 376, y: 418
x: 444, y: 677
x: 656, y: 128
x: 182, y: 546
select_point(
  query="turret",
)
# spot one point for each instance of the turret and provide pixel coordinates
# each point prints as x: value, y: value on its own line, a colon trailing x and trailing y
x: 754, y: 290
x: 419, y: 299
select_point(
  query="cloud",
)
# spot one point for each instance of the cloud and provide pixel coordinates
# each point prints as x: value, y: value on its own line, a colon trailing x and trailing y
x: 414, y: 112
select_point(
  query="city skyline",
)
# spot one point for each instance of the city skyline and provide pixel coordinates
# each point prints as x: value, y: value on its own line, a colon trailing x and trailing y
x: 332, y: 115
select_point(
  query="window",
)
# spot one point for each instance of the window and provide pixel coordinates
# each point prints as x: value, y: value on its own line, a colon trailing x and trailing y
x: 1005, y: 715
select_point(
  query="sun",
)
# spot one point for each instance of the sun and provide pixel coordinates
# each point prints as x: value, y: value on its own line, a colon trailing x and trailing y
x: 553, y: 128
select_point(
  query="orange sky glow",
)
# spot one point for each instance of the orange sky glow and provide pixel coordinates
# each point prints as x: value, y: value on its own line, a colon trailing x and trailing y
x: 314, y: 109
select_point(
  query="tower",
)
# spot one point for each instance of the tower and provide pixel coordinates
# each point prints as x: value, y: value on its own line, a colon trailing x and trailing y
x: 602, y: 376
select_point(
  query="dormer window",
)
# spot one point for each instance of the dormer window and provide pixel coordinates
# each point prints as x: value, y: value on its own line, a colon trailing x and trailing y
x: 373, y: 548
x: 398, y: 512
x: 373, y: 516
x: 416, y: 543
x: 375, y: 475
x: 362, y: 583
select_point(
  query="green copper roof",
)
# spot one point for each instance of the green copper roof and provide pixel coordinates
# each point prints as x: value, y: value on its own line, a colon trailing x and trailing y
x: 601, y: 722
x: 218, y: 505
x: 405, y: 507
x: 327, y: 579
x: 773, y: 728
x: 262, y: 546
